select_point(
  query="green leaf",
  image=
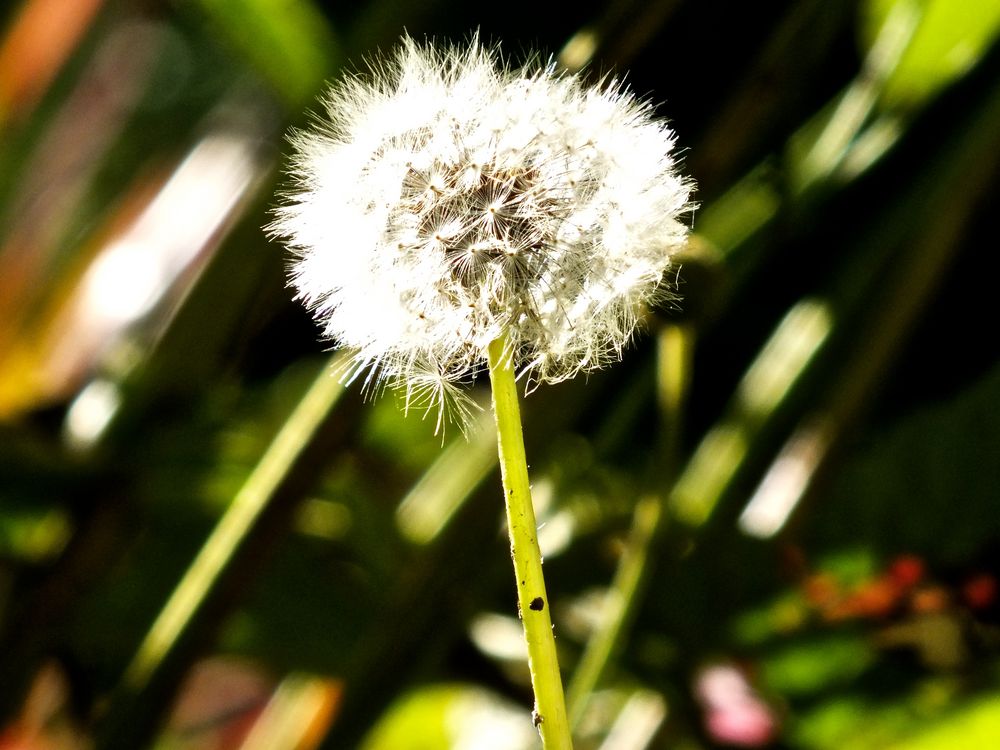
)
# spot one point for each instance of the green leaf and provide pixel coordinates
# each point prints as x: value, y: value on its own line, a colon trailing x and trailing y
x: 950, y: 39
x: 288, y: 41
x: 976, y: 725
x: 440, y: 716
x: 808, y: 668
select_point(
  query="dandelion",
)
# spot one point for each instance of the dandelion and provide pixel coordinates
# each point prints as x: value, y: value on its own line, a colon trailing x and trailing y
x: 453, y: 213
x: 448, y: 199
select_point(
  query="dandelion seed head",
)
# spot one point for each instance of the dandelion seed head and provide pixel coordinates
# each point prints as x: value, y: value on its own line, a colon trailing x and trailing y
x: 446, y: 198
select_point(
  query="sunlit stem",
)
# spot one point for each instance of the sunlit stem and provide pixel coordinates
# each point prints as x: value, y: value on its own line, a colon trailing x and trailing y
x: 533, y: 602
x: 674, y: 345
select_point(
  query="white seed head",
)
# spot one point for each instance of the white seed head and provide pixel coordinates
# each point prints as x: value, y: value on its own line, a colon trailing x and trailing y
x: 447, y: 198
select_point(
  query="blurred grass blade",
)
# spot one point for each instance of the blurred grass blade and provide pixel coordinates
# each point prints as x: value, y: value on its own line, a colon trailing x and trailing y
x: 730, y: 220
x: 934, y: 245
x: 288, y: 41
x: 297, y: 715
x: 951, y: 38
x: 448, y: 483
x: 767, y: 382
x: 36, y: 45
x: 675, y: 348
x: 858, y: 100
x: 233, y: 527
x: 623, y: 30
x: 287, y: 469
x: 977, y: 725
x: 637, y: 722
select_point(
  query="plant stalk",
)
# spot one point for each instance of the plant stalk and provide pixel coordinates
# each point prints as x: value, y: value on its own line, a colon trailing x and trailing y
x: 675, y: 344
x: 533, y: 603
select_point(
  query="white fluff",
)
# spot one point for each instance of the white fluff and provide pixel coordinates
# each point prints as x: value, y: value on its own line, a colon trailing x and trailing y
x: 448, y: 198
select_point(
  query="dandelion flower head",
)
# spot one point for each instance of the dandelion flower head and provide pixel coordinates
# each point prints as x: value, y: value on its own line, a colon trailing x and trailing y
x: 447, y: 198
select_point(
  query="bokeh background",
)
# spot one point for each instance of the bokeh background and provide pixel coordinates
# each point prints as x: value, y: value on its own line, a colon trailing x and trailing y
x: 775, y: 524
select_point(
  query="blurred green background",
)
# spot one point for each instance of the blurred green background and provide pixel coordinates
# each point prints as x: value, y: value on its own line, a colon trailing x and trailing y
x: 775, y: 524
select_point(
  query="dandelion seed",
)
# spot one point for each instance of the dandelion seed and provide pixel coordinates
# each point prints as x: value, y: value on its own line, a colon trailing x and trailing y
x: 448, y: 199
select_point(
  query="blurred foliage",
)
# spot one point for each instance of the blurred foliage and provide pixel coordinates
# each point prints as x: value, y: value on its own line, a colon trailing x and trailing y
x: 205, y: 544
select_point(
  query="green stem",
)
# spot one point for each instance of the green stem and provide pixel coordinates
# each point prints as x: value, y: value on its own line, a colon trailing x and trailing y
x: 619, y: 605
x: 674, y: 345
x: 533, y: 603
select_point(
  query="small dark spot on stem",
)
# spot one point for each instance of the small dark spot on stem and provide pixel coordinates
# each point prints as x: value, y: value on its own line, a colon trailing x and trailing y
x: 536, y: 718
x: 537, y: 604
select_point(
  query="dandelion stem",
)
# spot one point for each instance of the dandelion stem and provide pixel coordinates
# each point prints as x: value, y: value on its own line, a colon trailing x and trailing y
x: 533, y: 602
